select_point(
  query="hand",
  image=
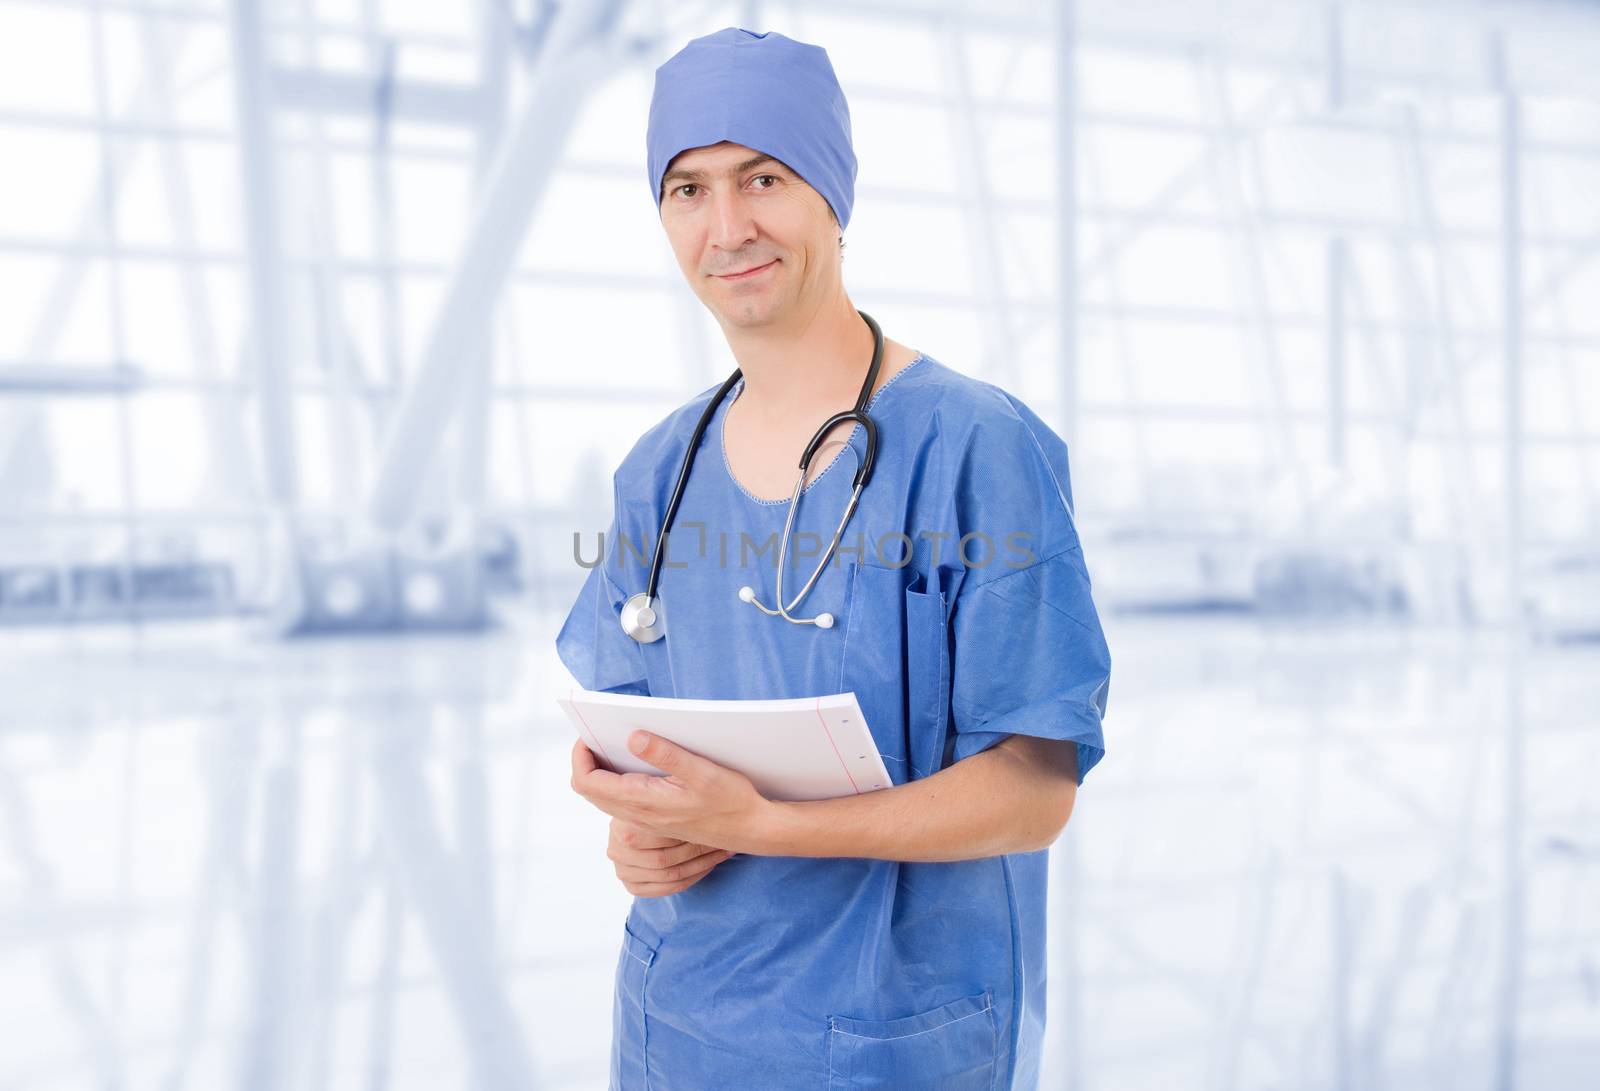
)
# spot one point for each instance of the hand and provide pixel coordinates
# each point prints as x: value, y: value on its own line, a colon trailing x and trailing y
x: 698, y: 800
x: 650, y: 865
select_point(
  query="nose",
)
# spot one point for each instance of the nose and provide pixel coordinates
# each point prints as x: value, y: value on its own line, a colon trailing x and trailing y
x: 731, y: 224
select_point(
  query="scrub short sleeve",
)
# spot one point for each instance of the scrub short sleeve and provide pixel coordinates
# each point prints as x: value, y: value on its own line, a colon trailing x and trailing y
x: 1030, y: 659
x: 591, y: 642
x: 1029, y: 656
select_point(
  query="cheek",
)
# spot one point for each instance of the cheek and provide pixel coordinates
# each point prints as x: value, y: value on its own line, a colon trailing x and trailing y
x: 682, y: 242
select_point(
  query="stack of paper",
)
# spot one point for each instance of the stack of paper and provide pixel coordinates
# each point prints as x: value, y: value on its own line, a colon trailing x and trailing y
x: 794, y: 749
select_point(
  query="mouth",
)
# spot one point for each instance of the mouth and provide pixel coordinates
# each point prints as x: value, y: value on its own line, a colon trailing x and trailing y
x: 748, y: 273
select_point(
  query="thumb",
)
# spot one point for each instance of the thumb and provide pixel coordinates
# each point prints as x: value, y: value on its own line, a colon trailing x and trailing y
x: 666, y: 755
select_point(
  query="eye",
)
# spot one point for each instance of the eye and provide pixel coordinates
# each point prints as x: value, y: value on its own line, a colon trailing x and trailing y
x: 686, y: 185
x: 758, y: 178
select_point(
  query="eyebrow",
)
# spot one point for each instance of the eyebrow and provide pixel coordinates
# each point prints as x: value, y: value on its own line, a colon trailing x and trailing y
x: 699, y: 176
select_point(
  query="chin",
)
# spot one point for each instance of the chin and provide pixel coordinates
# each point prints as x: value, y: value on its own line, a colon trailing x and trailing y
x: 746, y: 312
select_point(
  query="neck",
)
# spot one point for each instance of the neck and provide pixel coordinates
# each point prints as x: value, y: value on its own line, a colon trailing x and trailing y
x: 812, y: 364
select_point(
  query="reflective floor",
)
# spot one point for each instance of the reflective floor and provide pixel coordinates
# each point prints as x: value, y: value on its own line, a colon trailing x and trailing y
x: 356, y: 863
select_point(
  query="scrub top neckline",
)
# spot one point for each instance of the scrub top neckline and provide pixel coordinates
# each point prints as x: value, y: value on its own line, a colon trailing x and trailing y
x: 722, y: 441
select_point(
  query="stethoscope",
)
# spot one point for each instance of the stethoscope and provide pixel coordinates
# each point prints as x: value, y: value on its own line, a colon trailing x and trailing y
x: 639, y: 617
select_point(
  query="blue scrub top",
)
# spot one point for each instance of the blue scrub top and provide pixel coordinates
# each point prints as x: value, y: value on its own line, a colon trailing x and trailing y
x: 783, y: 972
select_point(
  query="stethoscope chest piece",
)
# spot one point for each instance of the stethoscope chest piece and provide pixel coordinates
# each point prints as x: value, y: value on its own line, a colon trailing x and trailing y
x: 641, y: 621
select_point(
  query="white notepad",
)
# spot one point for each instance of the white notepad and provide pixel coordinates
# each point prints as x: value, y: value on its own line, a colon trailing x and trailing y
x: 795, y: 749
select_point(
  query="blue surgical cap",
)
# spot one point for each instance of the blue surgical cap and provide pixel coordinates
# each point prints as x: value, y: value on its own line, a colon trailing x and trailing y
x: 765, y: 91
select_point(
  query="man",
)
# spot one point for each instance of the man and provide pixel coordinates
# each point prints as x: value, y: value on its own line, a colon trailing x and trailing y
x: 893, y: 938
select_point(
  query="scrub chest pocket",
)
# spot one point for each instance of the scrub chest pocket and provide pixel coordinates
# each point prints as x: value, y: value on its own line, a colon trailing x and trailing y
x: 897, y: 631
x: 953, y: 1047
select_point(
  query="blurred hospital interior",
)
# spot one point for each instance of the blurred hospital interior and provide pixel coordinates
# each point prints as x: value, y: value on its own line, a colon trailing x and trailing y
x: 324, y: 323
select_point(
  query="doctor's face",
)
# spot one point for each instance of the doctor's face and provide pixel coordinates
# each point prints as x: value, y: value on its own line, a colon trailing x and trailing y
x: 756, y: 243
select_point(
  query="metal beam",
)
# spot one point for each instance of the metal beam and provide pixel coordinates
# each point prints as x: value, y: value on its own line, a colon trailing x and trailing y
x: 579, y: 61
x: 268, y: 329
x: 475, y: 421
x: 1508, y: 999
x: 1337, y: 252
x: 1061, y: 1063
x: 978, y: 213
x: 327, y: 94
x: 230, y: 468
x: 51, y: 377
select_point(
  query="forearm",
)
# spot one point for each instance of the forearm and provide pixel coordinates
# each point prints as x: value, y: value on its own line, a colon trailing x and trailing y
x: 1013, y: 797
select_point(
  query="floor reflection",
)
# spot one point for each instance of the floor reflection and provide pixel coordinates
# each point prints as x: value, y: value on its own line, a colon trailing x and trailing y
x: 357, y: 864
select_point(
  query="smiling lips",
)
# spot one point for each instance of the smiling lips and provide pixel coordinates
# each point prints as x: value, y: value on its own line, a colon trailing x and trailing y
x: 747, y: 273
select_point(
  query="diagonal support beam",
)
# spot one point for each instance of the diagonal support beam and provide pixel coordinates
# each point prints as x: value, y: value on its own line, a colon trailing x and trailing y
x: 578, y: 63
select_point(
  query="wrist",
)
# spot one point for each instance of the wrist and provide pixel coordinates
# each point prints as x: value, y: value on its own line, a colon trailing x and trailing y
x: 770, y: 833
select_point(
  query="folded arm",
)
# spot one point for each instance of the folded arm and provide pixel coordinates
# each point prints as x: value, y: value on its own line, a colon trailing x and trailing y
x: 1015, y: 796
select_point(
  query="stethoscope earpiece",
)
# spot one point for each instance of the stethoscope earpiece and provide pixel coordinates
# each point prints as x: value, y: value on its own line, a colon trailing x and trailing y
x: 821, y: 621
x: 639, y: 620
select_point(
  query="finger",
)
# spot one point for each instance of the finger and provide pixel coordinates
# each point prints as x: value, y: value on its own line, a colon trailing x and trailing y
x: 673, y: 852
x: 630, y: 835
x: 654, y: 890
x: 608, y: 790
x: 687, y: 869
x: 657, y: 890
x: 584, y: 762
x: 582, y: 758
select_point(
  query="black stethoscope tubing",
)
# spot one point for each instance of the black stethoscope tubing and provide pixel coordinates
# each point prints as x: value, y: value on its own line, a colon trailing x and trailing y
x: 642, y: 625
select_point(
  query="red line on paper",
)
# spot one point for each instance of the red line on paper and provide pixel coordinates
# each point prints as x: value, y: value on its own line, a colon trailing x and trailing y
x: 835, y: 746
x: 589, y: 734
